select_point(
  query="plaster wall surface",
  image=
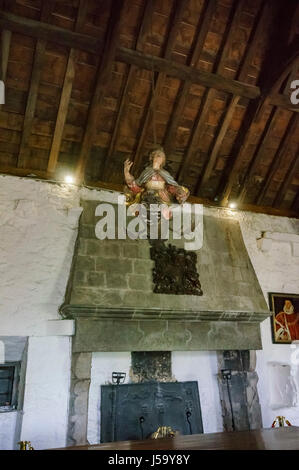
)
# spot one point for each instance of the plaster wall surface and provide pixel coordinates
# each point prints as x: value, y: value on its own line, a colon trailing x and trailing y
x: 45, y: 410
x: 277, y: 270
x: 38, y: 230
x: 7, y: 430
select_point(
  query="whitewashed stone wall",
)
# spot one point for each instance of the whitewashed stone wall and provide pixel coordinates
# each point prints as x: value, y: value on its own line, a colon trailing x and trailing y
x: 7, y: 430
x: 277, y: 269
x: 45, y: 411
x: 38, y: 228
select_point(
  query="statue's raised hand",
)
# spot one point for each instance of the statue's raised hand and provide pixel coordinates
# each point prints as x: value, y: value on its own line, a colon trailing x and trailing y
x: 127, y: 167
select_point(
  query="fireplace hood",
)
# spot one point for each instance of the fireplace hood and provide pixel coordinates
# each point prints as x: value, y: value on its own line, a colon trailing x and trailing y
x: 111, y: 295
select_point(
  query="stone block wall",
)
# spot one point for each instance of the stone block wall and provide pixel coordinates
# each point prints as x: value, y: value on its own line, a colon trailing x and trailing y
x: 118, y: 273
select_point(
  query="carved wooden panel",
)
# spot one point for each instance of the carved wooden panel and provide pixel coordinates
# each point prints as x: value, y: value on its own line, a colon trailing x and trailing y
x: 175, y: 270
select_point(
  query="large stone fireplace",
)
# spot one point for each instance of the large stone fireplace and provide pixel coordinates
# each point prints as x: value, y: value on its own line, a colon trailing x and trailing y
x: 117, y: 314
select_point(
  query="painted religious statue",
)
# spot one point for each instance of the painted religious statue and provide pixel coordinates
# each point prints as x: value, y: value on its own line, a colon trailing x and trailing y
x: 155, y: 185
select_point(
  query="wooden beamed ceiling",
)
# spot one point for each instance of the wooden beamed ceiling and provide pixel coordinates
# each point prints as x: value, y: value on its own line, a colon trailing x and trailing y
x: 90, y: 83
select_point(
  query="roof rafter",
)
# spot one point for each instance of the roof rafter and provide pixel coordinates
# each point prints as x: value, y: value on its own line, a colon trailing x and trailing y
x: 262, y: 144
x: 258, y: 154
x: 65, y: 94
x: 143, y: 32
x: 158, y: 64
x: 256, y: 108
x: 295, y: 204
x: 281, y: 151
x: 293, y: 168
x: 5, y: 47
x: 175, y: 21
x: 38, y: 61
x: 209, y: 94
x: 102, y: 81
x: 253, y: 40
x: 200, y: 37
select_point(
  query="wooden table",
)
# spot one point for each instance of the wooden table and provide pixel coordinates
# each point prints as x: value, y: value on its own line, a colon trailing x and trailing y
x: 263, y: 439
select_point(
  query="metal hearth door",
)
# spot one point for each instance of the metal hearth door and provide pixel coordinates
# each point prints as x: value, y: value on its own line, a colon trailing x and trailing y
x: 135, y: 411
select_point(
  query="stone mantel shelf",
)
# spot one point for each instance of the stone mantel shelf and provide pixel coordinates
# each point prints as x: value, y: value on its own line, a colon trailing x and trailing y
x: 69, y: 311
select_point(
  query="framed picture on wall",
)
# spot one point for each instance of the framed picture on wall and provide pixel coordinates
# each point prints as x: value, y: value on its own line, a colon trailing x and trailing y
x: 285, y: 317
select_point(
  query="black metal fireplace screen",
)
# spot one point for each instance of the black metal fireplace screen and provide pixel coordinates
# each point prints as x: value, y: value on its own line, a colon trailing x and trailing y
x: 135, y: 411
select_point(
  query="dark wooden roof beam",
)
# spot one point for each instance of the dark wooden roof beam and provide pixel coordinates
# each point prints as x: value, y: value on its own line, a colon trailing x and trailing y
x: 175, y: 20
x: 124, y: 99
x: 256, y: 108
x: 158, y: 64
x: 38, y: 61
x: 5, y: 47
x: 254, y: 38
x: 279, y: 154
x: 295, y: 204
x: 283, y: 188
x: 65, y: 94
x: 258, y: 154
x: 102, y: 81
x: 200, y: 37
x: 209, y: 95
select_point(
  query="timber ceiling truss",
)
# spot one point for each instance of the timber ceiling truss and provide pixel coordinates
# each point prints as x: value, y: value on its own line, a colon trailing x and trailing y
x: 90, y: 83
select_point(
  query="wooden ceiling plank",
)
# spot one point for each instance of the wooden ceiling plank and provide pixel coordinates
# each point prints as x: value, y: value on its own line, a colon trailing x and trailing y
x: 254, y: 38
x: 292, y: 76
x: 5, y: 47
x: 259, y: 152
x: 283, y: 101
x: 158, y: 64
x: 184, y: 72
x: 65, y: 94
x: 175, y: 21
x: 295, y: 204
x: 102, y: 81
x: 38, y: 61
x: 13, y: 171
x: 292, y: 170
x: 255, y: 110
x: 208, y: 98
x: 289, y: 61
x: 143, y: 32
x: 281, y: 151
x: 281, y: 55
x: 200, y: 37
x: 48, y: 32
x: 218, y: 142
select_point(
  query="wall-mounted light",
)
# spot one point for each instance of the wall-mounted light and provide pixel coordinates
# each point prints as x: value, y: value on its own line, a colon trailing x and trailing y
x: 69, y: 179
